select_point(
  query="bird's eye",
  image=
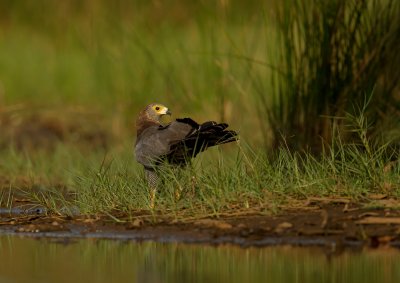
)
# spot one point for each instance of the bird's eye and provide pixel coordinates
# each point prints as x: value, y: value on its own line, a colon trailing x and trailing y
x: 157, y: 108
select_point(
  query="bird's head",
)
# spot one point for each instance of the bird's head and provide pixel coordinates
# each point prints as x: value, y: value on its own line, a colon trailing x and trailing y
x: 153, y: 114
x: 156, y: 112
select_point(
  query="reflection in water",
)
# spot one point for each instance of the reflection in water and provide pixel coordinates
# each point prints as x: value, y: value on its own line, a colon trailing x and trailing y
x: 30, y: 260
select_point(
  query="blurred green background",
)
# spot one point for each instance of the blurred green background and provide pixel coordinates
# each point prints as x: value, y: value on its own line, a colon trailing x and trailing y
x: 73, y: 61
x: 81, y: 70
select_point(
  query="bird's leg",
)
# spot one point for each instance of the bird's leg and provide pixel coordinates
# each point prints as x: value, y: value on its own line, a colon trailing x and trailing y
x: 152, y: 197
x: 193, y: 184
x: 178, y: 177
x: 152, y: 180
x: 178, y: 193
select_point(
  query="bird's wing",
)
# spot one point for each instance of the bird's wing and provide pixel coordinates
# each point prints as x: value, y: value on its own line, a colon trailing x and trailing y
x: 155, y: 142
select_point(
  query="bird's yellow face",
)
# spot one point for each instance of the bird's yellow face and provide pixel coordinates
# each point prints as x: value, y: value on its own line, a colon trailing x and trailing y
x: 159, y: 113
x: 160, y: 109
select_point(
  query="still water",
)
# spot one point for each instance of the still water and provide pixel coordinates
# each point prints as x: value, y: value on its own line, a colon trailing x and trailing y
x: 45, y: 260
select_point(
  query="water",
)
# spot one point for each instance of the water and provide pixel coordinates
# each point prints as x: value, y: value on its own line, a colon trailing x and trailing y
x: 89, y: 260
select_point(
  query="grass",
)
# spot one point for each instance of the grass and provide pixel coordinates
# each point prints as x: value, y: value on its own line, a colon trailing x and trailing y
x: 260, y: 186
x: 240, y: 181
x: 71, y: 83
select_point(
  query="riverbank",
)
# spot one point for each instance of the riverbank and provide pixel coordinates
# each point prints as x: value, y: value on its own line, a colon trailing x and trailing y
x: 332, y: 223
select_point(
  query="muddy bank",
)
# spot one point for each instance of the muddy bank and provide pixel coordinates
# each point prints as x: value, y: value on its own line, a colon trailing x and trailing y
x: 336, y: 224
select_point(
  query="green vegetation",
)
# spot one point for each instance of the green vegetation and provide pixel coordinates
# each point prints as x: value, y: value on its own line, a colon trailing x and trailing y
x: 244, y: 182
x: 290, y: 77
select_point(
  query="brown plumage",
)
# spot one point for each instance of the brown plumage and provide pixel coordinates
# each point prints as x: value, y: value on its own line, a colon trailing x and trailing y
x: 176, y: 142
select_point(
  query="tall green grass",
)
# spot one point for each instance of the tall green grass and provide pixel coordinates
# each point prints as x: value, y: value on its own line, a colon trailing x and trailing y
x: 333, y: 56
x: 250, y: 183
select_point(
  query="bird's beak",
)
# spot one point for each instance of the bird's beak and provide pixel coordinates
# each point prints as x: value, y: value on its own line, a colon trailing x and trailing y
x: 165, y: 111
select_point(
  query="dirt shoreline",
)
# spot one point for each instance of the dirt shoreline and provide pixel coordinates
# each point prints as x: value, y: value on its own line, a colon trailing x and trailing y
x: 333, y: 225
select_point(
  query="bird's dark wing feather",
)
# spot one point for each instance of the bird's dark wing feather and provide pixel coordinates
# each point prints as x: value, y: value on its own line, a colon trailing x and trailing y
x: 199, y: 139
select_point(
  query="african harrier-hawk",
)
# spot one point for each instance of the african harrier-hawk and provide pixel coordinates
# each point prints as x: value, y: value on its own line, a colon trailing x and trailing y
x: 176, y: 142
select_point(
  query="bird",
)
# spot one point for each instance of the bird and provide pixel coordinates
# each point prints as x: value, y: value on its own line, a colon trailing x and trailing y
x: 176, y: 142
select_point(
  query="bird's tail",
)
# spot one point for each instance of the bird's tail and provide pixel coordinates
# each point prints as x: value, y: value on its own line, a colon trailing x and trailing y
x: 202, y: 137
x: 215, y: 134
